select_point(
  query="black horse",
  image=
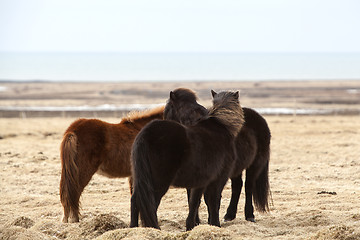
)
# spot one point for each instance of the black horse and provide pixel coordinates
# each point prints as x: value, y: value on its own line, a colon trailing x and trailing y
x: 253, y: 154
x: 200, y: 157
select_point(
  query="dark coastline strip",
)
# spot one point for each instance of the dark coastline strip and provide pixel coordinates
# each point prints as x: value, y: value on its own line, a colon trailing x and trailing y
x: 64, y: 114
x: 118, y: 113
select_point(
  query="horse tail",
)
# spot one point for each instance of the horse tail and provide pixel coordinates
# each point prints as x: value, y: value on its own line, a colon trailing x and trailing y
x: 143, y: 195
x: 262, y: 186
x: 69, y: 183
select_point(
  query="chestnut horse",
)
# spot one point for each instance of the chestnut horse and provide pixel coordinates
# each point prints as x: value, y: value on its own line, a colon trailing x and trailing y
x: 91, y: 145
x: 253, y: 154
x: 200, y: 157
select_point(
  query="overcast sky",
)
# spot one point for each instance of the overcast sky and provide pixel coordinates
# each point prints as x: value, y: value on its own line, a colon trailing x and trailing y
x: 180, y: 26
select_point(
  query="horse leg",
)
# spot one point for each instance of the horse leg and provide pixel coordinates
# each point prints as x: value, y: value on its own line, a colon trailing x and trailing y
x: 249, y: 187
x: 131, y: 187
x: 70, y: 202
x: 236, y: 186
x: 69, y: 197
x: 213, y: 204
x: 85, y: 175
x: 194, y: 202
x: 212, y: 198
x: 197, y: 219
x: 134, y: 219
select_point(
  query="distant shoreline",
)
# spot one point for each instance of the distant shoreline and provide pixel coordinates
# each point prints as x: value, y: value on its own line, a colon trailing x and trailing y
x: 116, y: 99
x: 178, y: 81
x: 39, y: 112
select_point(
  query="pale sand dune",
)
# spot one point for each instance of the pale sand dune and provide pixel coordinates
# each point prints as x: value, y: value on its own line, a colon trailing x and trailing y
x: 309, y: 155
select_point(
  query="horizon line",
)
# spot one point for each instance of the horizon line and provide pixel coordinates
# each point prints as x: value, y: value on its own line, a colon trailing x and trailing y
x: 182, y: 52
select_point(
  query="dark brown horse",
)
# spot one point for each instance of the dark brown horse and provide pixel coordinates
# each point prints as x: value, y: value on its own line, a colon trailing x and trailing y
x: 199, y: 157
x: 91, y: 145
x: 253, y: 154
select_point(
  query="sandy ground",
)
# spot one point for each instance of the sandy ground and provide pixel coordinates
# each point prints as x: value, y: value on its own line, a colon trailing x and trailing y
x: 314, y: 167
x: 314, y: 176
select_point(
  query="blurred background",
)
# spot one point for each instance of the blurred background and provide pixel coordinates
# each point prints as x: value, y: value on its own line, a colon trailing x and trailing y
x: 92, y: 56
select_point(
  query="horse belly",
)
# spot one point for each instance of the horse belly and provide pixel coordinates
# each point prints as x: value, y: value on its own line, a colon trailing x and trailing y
x: 191, y: 179
x: 115, y: 167
x: 246, y: 148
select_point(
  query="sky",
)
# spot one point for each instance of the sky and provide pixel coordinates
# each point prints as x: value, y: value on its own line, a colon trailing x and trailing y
x: 180, y: 26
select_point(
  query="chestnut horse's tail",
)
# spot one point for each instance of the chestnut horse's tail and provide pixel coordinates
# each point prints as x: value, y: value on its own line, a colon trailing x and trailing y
x: 262, y: 187
x: 143, y: 198
x: 69, y: 183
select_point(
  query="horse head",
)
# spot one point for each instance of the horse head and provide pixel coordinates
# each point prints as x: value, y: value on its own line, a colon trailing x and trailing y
x: 182, y: 107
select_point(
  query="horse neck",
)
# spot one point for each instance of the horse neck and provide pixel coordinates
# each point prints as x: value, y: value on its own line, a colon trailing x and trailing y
x: 193, y: 115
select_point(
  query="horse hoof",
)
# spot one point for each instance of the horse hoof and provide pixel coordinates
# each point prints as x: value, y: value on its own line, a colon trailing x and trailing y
x: 228, y: 218
x: 73, y: 220
x: 197, y: 221
x: 250, y: 219
x: 189, y: 228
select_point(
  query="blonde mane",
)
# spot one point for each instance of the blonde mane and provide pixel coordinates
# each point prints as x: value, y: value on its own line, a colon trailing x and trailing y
x: 228, y: 110
x: 138, y: 115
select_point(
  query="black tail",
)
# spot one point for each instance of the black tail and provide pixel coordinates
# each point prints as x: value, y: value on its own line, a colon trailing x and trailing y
x: 262, y: 186
x: 144, y: 196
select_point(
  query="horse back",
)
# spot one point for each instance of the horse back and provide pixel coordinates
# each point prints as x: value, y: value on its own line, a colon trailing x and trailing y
x: 212, y: 154
x: 254, y: 121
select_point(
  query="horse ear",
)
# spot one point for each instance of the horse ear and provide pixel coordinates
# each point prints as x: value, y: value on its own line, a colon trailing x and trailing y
x: 172, y: 96
x: 236, y: 94
x: 213, y: 93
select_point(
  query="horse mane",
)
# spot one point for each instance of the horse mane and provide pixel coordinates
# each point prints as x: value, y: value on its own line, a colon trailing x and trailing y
x: 226, y: 108
x: 134, y: 116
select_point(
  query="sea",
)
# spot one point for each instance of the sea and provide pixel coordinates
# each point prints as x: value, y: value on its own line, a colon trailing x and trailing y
x: 114, y: 67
